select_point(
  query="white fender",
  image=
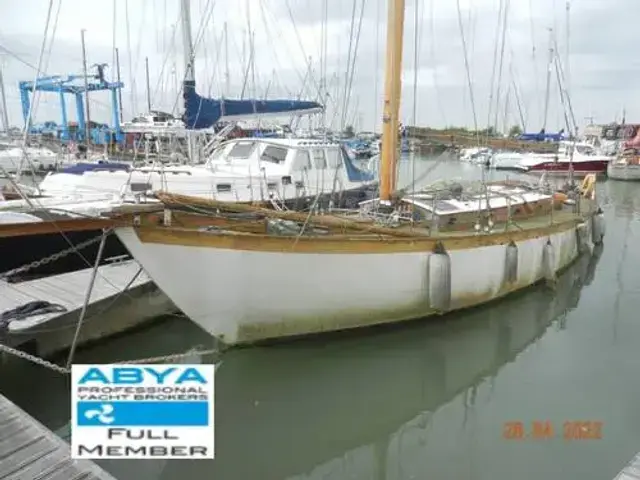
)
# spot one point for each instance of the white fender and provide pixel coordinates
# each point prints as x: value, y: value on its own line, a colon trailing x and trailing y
x: 439, y: 274
x: 511, y: 263
x: 549, y: 262
x: 598, y: 227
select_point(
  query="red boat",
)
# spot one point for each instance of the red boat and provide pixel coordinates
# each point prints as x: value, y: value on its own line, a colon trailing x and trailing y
x: 584, y: 160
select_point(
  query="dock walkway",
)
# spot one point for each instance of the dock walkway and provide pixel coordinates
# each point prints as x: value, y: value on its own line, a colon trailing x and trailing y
x: 67, y: 290
x: 28, y: 450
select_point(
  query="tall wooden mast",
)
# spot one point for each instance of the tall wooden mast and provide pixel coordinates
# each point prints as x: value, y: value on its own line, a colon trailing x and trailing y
x: 392, y: 94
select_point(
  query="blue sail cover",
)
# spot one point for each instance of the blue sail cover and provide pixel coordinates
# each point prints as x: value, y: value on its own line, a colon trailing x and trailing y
x: 543, y: 137
x: 203, y: 112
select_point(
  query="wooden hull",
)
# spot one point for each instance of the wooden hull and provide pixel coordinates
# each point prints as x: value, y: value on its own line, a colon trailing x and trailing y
x: 244, y: 289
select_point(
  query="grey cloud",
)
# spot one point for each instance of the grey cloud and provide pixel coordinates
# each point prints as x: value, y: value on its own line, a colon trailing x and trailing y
x: 603, y: 58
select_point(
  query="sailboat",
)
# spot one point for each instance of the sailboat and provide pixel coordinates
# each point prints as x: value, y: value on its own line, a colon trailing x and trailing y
x: 626, y: 166
x: 289, y: 171
x: 247, y: 274
x: 286, y: 173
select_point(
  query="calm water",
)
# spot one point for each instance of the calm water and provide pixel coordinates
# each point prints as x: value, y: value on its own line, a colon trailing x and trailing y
x: 423, y: 400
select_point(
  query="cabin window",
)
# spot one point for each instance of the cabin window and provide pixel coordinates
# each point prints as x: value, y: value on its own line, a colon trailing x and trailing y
x: 319, y: 159
x: 273, y: 154
x: 302, y: 161
x: 333, y: 158
x: 223, y: 187
x: 241, y: 150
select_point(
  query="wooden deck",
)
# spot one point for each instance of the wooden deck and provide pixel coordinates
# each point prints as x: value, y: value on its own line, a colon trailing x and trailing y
x: 28, y: 450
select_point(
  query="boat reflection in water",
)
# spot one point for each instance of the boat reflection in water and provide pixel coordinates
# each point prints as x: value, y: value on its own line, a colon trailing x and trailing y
x: 340, y: 407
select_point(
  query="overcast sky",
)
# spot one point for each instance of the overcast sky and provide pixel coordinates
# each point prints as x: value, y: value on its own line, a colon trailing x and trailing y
x: 603, y: 62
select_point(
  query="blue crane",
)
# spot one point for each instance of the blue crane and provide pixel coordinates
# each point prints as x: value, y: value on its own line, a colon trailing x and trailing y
x: 74, y: 84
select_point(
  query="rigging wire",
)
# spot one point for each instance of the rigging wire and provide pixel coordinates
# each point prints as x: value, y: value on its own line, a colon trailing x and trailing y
x: 300, y: 44
x: 516, y: 93
x: 499, y: 84
x: 272, y: 45
x: 130, y: 58
x: 49, y: 50
x: 432, y: 59
x: 136, y: 64
x: 493, y: 70
x: 416, y: 51
x: 323, y: 62
x: 348, y: 64
x: 114, y: 29
x: 534, y: 61
x: 466, y: 65
x: 349, y: 86
x: 33, y: 104
x: 171, y: 53
x: 376, y: 67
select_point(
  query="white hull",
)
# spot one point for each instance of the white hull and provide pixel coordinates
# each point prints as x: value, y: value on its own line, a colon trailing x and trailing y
x: 40, y: 159
x: 243, y: 296
x: 624, y: 172
x: 303, y: 169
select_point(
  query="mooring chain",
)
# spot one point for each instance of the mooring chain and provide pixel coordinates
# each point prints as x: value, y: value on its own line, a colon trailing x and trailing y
x: 175, y: 356
x: 65, y: 371
x: 34, y: 359
x: 50, y: 258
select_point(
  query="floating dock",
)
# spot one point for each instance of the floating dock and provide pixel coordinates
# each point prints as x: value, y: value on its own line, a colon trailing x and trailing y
x: 631, y: 471
x: 111, y: 309
x: 29, y: 450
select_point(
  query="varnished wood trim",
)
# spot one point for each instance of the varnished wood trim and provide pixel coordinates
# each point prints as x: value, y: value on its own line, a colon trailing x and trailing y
x: 339, y: 243
x: 56, y: 226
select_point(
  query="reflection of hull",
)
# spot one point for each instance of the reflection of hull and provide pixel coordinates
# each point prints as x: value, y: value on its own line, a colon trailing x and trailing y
x: 300, y: 408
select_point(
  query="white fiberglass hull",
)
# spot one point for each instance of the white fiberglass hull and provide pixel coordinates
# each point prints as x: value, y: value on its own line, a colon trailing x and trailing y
x: 624, y: 172
x: 13, y: 159
x: 507, y: 161
x: 198, y: 182
x: 241, y: 295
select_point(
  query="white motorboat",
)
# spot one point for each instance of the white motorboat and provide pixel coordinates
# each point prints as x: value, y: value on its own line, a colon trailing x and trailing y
x: 285, y: 171
x: 477, y: 155
x: 14, y: 158
x: 582, y: 157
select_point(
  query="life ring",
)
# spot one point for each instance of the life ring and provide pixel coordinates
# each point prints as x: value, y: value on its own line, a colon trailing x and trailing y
x: 588, y: 185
